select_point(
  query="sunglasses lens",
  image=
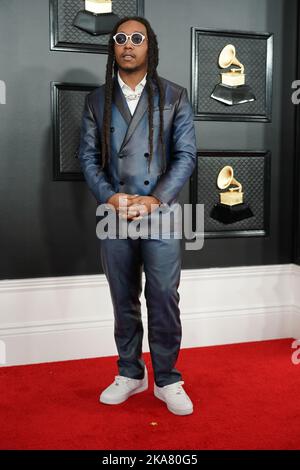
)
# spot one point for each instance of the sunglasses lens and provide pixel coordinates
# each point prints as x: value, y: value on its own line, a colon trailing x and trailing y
x: 137, y: 38
x: 121, y: 38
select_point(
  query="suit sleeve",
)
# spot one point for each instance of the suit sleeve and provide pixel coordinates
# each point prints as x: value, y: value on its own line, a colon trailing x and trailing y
x: 89, y: 157
x: 183, y: 157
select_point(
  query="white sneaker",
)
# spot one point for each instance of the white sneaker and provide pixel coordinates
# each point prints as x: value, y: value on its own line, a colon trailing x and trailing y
x: 174, y: 395
x: 122, y: 388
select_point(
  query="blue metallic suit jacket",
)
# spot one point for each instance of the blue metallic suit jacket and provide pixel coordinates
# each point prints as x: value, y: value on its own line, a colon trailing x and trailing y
x: 127, y: 170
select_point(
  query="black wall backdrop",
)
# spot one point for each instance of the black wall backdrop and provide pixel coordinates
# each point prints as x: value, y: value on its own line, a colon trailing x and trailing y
x: 47, y: 226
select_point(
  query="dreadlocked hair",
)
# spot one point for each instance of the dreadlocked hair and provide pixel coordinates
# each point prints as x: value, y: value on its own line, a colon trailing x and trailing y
x: 112, y: 67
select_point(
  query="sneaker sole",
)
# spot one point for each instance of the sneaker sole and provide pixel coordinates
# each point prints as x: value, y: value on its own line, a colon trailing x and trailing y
x: 109, y: 401
x: 174, y: 410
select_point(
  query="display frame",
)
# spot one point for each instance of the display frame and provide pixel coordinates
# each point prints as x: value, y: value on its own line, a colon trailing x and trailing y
x: 57, y: 126
x: 205, y: 107
x: 70, y: 45
x: 264, y: 231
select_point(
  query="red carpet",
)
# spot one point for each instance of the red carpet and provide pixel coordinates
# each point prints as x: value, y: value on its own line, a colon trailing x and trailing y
x: 246, y: 396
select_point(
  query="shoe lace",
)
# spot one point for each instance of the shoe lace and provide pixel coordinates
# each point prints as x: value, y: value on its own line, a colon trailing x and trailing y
x: 125, y: 380
x: 120, y: 378
x: 176, y: 388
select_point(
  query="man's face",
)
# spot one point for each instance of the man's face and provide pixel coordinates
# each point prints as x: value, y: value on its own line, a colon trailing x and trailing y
x: 137, y: 56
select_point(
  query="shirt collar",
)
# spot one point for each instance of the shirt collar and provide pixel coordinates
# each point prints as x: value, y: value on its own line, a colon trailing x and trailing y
x: 124, y: 86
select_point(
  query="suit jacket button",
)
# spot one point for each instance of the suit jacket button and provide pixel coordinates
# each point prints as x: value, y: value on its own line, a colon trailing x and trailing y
x: 146, y: 182
x: 112, y: 129
x: 121, y: 155
x: 146, y: 154
x: 121, y: 182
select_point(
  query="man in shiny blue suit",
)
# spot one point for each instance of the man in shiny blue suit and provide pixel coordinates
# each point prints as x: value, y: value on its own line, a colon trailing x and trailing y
x: 138, y: 144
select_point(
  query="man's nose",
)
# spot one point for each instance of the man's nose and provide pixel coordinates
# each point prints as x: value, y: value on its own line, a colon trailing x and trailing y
x: 128, y: 45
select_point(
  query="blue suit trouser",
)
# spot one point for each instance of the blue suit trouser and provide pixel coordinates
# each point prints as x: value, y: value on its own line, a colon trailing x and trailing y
x: 123, y: 261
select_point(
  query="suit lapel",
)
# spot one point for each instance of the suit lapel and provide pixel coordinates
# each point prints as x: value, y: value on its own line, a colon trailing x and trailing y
x: 120, y: 102
x: 141, y: 108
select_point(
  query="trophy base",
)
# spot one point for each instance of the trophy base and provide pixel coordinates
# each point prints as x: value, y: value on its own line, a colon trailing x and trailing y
x: 230, y: 214
x: 232, y: 95
x: 95, y: 24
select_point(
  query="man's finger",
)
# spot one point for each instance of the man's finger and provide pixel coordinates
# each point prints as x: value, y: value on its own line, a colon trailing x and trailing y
x: 134, y: 212
x: 134, y: 200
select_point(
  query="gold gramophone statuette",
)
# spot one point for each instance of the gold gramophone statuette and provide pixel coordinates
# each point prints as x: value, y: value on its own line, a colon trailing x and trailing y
x: 234, y: 195
x: 236, y: 76
x: 232, y: 88
x: 231, y: 207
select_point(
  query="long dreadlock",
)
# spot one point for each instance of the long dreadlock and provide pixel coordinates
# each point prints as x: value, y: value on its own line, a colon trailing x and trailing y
x: 111, y: 67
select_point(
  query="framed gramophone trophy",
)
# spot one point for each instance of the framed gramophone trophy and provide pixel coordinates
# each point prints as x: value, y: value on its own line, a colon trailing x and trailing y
x: 232, y: 89
x: 97, y: 18
x: 84, y: 25
x: 231, y: 75
x: 231, y: 206
x: 234, y: 187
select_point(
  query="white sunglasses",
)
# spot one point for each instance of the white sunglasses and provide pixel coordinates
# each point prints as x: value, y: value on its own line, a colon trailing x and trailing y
x: 135, y: 38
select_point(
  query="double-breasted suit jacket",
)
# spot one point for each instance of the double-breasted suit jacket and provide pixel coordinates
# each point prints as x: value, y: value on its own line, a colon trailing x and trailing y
x: 128, y: 166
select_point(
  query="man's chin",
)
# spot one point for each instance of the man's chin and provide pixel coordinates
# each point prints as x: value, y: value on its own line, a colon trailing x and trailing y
x: 128, y: 69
